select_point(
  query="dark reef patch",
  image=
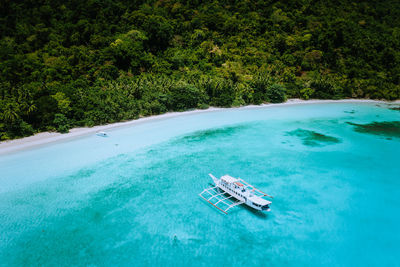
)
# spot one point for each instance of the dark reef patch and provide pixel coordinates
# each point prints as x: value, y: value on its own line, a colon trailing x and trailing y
x: 312, y: 138
x: 384, y: 128
x: 215, y: 132
x: 395, y: 108
x: 350, y: 111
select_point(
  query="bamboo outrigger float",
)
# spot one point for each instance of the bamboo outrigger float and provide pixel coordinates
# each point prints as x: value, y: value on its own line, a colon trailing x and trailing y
x: 229, y: 192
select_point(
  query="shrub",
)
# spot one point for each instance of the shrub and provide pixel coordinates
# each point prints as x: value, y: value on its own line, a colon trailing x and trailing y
x: 276, y: 93
x: 184, y: 96
x: 17, y: 128
x: 222, y: 93
x: 306, y: 93
x: 203, y: 106
x: 260, y: 84
x: 61, y: 123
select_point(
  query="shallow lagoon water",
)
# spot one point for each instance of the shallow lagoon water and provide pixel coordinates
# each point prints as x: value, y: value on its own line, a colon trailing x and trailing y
x: 131, y: 198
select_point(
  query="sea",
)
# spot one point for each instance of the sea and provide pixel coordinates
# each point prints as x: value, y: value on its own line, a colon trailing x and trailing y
x: 132, y: 198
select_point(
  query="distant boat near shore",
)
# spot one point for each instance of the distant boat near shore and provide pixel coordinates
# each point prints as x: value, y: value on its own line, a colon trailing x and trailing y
x: 102, y: 134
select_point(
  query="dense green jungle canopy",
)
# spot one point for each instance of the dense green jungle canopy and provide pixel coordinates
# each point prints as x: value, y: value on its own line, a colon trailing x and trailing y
x: 75, y: 63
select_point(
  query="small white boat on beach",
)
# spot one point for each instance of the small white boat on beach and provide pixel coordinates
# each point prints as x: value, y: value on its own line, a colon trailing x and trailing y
x: 102, y: 134
x: 229, y: 192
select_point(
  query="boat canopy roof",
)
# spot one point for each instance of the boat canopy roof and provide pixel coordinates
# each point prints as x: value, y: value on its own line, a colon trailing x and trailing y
x: 229, y: 179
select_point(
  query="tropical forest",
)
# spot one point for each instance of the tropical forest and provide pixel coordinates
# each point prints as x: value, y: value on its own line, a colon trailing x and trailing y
x: 73, y: 63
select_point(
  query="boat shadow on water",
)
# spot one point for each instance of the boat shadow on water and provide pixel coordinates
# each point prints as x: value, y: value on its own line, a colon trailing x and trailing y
x: 257, y: 213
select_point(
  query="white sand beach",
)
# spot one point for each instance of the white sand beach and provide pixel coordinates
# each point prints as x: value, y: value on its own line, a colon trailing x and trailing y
x: 43, y: 138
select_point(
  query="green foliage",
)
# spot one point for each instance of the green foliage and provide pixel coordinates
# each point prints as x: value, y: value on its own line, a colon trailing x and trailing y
x: 84, y: 63
x: 15, y: 129
x: 128, y: 51
x: 221, y: 92
x: 185, y: 96
x: 260, y: 85
x: 63, y: 102
x: 61, y: 123
x: 276, y: 93
x: 306, y: 93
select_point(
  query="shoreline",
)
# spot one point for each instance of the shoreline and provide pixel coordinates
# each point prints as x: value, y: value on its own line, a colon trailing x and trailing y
x: 43, y: 138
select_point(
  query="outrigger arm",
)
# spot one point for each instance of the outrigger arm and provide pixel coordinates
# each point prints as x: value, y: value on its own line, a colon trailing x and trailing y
x: 214, y: 193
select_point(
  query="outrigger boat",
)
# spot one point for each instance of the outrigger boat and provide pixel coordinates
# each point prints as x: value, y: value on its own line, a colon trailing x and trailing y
x: 229, y: 192
x: 102, y: 134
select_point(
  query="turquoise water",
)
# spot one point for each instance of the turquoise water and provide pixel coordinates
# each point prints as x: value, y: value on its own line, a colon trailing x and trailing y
x: 132, y: 198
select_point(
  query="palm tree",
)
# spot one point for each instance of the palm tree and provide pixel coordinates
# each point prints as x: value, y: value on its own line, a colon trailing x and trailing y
x: 10, y: 112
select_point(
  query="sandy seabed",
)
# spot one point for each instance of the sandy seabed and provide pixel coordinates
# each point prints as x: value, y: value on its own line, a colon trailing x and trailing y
x: 50, y: 137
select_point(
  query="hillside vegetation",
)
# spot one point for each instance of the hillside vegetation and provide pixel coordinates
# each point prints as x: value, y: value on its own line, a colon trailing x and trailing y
x: 81, y: 63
